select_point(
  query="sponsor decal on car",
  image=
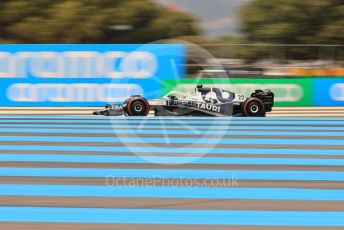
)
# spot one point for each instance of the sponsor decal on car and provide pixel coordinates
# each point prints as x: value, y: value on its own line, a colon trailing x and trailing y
x: 115, y: 107
x: 195, y: 104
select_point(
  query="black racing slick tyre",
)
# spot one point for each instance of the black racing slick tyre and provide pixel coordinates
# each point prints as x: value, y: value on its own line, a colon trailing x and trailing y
x: 137, y: 106
x: 254, y: 107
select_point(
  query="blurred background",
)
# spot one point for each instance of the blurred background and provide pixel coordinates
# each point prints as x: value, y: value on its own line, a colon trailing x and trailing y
x: 295, y: 48
x: 270, y: 37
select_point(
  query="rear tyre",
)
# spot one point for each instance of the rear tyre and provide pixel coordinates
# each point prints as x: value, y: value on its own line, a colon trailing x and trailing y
x: 137, y: 106
x: 254, y: 107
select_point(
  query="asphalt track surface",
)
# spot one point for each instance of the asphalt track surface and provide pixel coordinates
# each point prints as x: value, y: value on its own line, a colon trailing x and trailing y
x: 87, y: 172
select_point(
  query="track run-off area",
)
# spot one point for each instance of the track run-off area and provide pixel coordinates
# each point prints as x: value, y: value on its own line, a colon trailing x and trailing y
x: 89, y: 172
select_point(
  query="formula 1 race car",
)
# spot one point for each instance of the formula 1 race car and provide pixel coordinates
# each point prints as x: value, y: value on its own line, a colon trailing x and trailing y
x: 206, y: 101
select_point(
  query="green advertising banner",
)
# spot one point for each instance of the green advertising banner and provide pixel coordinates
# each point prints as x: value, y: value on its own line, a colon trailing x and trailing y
x: 288, y: 91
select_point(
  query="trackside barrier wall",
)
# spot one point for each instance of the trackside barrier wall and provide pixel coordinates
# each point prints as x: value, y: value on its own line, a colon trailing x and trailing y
x: 85, y: 75
x: 328, y: 92
x: 93, y: 75
x: 303, y: 91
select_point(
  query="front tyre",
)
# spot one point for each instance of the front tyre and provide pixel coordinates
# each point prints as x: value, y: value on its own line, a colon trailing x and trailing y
x: 137, y: 106
x: 254, y: 107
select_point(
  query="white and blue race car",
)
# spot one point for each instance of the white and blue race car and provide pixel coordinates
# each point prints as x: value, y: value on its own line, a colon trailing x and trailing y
x: 205, y: 101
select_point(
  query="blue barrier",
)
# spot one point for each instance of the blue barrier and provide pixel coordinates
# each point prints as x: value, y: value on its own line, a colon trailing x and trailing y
x: 328, y: 92
x: 85, y: 75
